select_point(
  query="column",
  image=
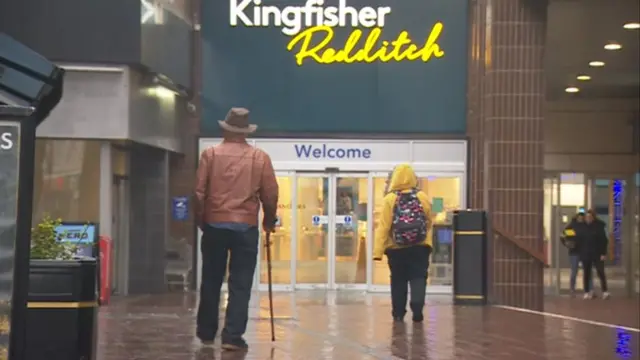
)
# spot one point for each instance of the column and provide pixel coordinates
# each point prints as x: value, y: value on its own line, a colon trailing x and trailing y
x: 506, y: 95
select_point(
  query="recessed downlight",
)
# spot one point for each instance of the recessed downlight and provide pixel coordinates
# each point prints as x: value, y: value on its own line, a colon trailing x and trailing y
x: 596, y: 63
x: 572, y: 90
x: 583, y: 77
x: 613, y: 46
x: 632, y: 26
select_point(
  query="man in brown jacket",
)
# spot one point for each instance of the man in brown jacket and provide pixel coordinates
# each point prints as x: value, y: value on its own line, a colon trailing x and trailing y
x: 233, y: 178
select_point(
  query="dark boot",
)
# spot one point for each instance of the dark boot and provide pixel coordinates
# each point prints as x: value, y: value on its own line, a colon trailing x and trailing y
x: 418, y: 297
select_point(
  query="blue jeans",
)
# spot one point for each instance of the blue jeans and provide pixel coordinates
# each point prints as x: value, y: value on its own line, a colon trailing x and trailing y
x: 575, y: 263
x: 216, y: 246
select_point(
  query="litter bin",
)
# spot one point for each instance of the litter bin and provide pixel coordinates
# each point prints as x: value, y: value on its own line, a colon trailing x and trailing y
x: 470, y: 270
x: 62, y: 310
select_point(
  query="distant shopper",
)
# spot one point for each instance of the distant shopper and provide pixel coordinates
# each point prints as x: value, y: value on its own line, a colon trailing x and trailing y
x: 403, y: 234
x: 593, y: 252
x: 233, y: 178
x: 572, y: 242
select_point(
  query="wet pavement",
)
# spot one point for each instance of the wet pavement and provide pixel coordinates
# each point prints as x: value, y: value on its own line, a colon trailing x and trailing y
x: 617, y: 310
x: 354, y: 326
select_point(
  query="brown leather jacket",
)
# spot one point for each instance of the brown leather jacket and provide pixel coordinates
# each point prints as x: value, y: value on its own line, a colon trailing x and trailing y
x: 232, y: 179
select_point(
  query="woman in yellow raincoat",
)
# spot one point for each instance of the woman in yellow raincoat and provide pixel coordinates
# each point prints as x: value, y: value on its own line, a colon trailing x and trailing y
x: 404, y: 235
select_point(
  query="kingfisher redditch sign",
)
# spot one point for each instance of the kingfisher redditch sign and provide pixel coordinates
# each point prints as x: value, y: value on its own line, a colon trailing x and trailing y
x: 311, y: 31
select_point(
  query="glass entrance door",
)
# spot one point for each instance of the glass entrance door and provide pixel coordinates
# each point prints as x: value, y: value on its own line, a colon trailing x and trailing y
x: 281, y: 245
x: 350, y: 231
x: 611, y: 197
x: 312, y: 230
x: 326, y: 222
x: 446, y: 194
x: 331, y: 231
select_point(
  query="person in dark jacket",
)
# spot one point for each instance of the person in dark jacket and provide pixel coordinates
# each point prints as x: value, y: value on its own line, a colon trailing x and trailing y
x: 593, y: 251
x: 571, y: 241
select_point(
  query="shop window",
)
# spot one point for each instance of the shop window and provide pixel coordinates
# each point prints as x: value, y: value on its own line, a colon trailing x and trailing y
x: 281, y: 238
x: 67, y: 180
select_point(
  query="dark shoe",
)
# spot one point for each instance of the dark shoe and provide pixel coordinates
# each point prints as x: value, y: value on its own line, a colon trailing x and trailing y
x: 398, y: 319
x: 206, y: 343
x: 235, y: 345
x: 418, y: 318
x: 416, y: 309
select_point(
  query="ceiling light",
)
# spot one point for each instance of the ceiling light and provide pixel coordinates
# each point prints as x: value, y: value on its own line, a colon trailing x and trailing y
x: 632, y: 26
x: 613, y: 46
x: 596, y: 64
x: 572, y: 90
x: 583, y: 77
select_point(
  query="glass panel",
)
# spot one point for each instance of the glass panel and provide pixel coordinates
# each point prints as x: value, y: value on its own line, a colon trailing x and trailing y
x: 281, y: 239
x: 351, y: 230
x: 9, y: 162
x: 67, y: 180
x: 550, y: 231
x: 608, y: 198
x: 381, y: 274
x: 312, y: 233
x: 636, y: 238
x: 444, y: 194
x: 572, y: 200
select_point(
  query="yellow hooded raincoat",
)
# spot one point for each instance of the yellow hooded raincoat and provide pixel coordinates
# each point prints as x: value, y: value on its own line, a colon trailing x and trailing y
x: 403, y: 179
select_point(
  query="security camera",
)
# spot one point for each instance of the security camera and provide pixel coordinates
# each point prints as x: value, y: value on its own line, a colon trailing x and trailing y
x: 191, y: 107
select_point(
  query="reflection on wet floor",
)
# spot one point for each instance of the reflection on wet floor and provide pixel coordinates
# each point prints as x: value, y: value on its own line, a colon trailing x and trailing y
x: 352, y: 325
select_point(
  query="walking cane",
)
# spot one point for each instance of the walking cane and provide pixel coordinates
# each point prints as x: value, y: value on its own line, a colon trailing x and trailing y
x: 268, y: 246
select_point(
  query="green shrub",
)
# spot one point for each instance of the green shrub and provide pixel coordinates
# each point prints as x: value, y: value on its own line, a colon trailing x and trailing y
x: 46, y: 244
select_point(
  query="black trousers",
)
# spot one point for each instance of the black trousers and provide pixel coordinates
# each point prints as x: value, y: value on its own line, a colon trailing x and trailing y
x: 587, y: 265
x: 216, y: 245
x: 408, y: 267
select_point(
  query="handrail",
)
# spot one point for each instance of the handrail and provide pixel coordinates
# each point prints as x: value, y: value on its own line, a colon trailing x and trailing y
x: 538, y: 255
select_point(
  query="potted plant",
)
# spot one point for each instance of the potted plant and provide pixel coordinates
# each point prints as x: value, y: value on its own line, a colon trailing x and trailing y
x: 47, y: 244
x: 62, y: 300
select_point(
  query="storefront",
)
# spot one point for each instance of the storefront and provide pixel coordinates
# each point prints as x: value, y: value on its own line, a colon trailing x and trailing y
x: 322, y: 80
x: 103, y: 156
x: 330, y: 197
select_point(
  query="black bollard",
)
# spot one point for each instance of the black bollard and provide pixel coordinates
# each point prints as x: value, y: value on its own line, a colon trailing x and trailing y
x: 470, y: 281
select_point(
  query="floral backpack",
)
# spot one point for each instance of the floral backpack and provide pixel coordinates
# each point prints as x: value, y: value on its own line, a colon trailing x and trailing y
x: 410, y: 224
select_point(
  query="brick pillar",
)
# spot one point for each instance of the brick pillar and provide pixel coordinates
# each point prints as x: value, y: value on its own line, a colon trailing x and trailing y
x: 183, y: 167
x: 506, y: 100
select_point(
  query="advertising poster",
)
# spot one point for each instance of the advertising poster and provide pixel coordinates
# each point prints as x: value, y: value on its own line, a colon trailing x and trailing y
x: 83, y: 235
x: 9, y: 160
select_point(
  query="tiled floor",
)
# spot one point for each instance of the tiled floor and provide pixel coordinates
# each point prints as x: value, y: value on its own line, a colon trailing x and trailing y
x: 616, y: 310
x: 353, y: 326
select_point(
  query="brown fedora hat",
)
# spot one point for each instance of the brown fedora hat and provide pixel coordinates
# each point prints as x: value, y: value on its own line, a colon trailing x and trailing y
x: 237, y: 121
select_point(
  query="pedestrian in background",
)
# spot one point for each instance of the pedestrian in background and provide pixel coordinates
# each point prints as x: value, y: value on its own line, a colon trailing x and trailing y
x: 403, y: 235
x: 572, y: 242
x: 593, y: 252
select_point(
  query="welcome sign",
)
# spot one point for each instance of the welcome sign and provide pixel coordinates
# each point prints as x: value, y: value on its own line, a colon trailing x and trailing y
x: 336, y: 66
x: 311, y: 27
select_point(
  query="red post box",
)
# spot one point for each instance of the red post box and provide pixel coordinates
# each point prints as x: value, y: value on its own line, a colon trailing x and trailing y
x: 104, y: 245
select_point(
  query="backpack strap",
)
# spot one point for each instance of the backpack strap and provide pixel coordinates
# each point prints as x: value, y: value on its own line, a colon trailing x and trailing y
x: 398, y: 194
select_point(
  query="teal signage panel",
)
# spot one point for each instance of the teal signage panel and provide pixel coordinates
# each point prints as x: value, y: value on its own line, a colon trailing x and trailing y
x: 383, y: 66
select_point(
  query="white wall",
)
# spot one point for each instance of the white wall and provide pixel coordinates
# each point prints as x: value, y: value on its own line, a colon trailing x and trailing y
x: 94, y: 105
x: 115, y: 103
x: 591, y: 136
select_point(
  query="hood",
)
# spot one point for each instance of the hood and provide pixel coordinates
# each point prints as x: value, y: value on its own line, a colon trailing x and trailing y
x: 596, y: 222
x: 403, y: 178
